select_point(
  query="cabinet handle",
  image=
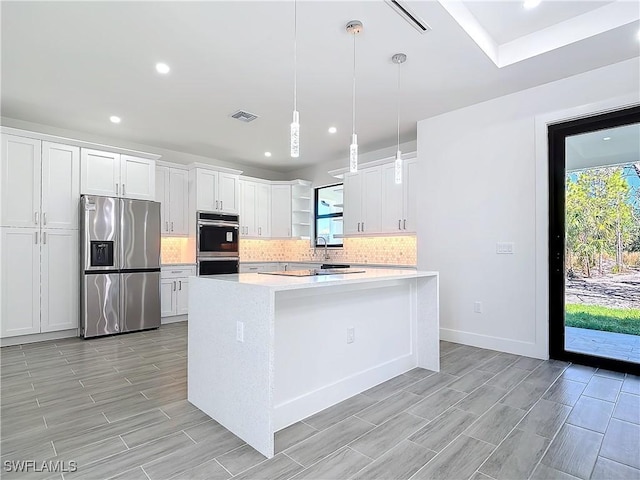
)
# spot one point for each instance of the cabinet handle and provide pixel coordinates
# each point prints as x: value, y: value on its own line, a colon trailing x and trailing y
x: 172, y: 226
x: 36, y: 238
x: 44, y: 218
x: 363, y: 226
x: 44, y: 238
x: 116, y: 189
x: 216, y: 204
x: 259, y: 230
x: 35, y: 215
x: 399, y: 227
x: 176, y: 271
x: 180, y: 282
x: 123, y: 190
x: 166, y: 226
x: 405, y: 223
x: 221, y: 205
x: 358, y: 226
x: 174, y: 286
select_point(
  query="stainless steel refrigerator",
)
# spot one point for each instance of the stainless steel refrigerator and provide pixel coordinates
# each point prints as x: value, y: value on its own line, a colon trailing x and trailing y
x: 120, y: 257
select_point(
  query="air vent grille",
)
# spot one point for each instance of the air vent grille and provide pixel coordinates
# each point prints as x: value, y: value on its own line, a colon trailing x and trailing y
x: 405, y: 12
x: 244, y: 116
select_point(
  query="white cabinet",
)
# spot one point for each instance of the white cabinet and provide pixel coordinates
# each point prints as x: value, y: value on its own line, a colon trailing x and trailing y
x: 216, y: 191
x: 40, y: 183
x: 39, y: 280
x: 174, y: 290
x: 115, y: 175
x: 255, y: 209
x: 59, y: 280
x: 399, y: 200
x: 19, y: 281
x: 172, y: 191
x: 362, y: 201
x: 280, y: 211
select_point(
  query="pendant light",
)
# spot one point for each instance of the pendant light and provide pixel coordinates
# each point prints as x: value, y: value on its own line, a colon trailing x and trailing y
x: 354, y: 27
x: 398, y: 59
x: 295, y: 124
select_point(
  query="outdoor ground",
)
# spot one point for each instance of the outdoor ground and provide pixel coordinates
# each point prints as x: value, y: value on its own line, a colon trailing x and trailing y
x: 609, y: 290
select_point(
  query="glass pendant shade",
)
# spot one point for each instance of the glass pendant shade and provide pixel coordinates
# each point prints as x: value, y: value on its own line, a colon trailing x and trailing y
x: 295, y: 135
x: 353, y: 154
x: 397, y: 167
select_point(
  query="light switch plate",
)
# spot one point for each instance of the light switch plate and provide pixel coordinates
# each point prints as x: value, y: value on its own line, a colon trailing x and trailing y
x: 504, y: 248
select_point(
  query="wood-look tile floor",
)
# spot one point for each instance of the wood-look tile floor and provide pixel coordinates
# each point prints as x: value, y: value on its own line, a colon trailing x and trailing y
x: 117, y: 408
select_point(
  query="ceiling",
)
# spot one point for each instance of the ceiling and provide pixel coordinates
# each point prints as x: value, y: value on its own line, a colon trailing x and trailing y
x: 73, y: 64
x: 611, y: 146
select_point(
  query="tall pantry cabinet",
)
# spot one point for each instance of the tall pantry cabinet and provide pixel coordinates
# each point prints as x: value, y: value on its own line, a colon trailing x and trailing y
x: 38, y: 236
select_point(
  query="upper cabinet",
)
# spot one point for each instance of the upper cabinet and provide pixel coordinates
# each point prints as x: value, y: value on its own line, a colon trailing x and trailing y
x: 216, y: 191
x: 280, y: 211
x: 362, y: 202
x: 375, y: 204
x: 172, y: 191
x: 255, y: 209
x: 40, y: 183
x: 115, y: 175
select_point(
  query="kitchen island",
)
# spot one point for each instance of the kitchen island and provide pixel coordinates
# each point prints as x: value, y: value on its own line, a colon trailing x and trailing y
x: 267, y: 351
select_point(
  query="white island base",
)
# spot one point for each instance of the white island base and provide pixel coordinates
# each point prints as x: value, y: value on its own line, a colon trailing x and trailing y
x: 267, y: 351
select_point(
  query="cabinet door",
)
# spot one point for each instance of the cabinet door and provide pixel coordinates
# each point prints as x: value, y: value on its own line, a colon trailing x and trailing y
x: 20, y: 196
x: 263, y: 210
x: 371, y: 200
x: 206, y: 190
x: 162, y: 196
x: 392, y: 200
x: 182, y: 296
x: 19, y: 281
x: 281, y: 211
x: 352, y: 199
x: 179, y: 201
x: 60, y: 280
x: 228, y: 192
x: 60, y: 185
x: 248, y: 200
x: 138, y: 177
x: 410, y: 183
x: 99, y: 173
x: 167, y: 297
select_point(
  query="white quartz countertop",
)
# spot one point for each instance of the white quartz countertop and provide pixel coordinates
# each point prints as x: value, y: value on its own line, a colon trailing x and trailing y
x: 281, y: 282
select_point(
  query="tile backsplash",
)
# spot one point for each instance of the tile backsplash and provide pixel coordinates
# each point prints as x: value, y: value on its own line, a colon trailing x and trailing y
x: 393, y: 250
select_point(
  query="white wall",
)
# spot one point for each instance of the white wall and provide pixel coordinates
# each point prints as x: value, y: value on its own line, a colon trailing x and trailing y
x: 483, y: 171
x: 167, y: 155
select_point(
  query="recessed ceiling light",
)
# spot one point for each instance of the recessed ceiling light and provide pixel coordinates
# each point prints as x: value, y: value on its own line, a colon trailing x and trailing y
x: 267, y: 154
x: 333, y: 129
x: 162, y: 68
x: 529, y: 4
x: 115, y: 119
x: 606, y: 138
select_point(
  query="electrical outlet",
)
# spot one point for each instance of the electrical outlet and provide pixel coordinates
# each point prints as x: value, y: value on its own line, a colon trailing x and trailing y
x: 477, y: 307
x: 240, y: 331
x: 351, y: 335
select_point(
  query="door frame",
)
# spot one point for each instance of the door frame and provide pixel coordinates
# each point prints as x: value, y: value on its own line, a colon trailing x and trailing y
x: 557, y: 134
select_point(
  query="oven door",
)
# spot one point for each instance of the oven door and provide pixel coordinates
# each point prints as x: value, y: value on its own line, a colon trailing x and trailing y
x: 218, y: 266
x: 217, y: 239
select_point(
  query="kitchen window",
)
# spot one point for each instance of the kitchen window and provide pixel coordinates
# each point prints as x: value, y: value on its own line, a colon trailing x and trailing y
x: 328, y: 213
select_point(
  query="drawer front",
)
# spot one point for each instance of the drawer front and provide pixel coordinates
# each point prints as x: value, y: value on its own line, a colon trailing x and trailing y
x: 168, y: 272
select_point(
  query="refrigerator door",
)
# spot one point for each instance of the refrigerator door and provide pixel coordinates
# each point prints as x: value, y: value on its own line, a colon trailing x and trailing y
x: 140, y: 301
x: 99, y: 227
x: 100, y: 304
x: 139, y: 234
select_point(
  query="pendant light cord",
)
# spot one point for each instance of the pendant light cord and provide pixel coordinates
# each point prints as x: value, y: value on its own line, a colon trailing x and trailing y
x: 354, y: 83
x: 398, y: 106
x: 295, y: 55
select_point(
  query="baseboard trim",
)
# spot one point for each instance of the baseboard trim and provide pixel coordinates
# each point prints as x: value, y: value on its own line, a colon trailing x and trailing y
x: 173, y: 319
x: 38, y: 337
x: 508, y: 345
x: 293, y: 410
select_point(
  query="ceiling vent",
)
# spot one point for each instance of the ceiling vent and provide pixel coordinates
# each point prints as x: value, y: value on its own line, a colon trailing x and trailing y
x: 243, y: 116
x: 414, y: 20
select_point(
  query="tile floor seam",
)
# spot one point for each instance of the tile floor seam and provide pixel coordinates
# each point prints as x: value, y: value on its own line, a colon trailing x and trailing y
x: 298, y: 463
x: 145, y: 472
x: 231, y: 474
x: 190, y: 438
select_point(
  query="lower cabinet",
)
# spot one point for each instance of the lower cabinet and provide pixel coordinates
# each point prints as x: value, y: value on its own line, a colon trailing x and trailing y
x: 174, y: 290
x: 38, y: 281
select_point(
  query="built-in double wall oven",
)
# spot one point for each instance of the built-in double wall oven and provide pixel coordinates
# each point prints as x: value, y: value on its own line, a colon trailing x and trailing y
x: 217, y: 243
